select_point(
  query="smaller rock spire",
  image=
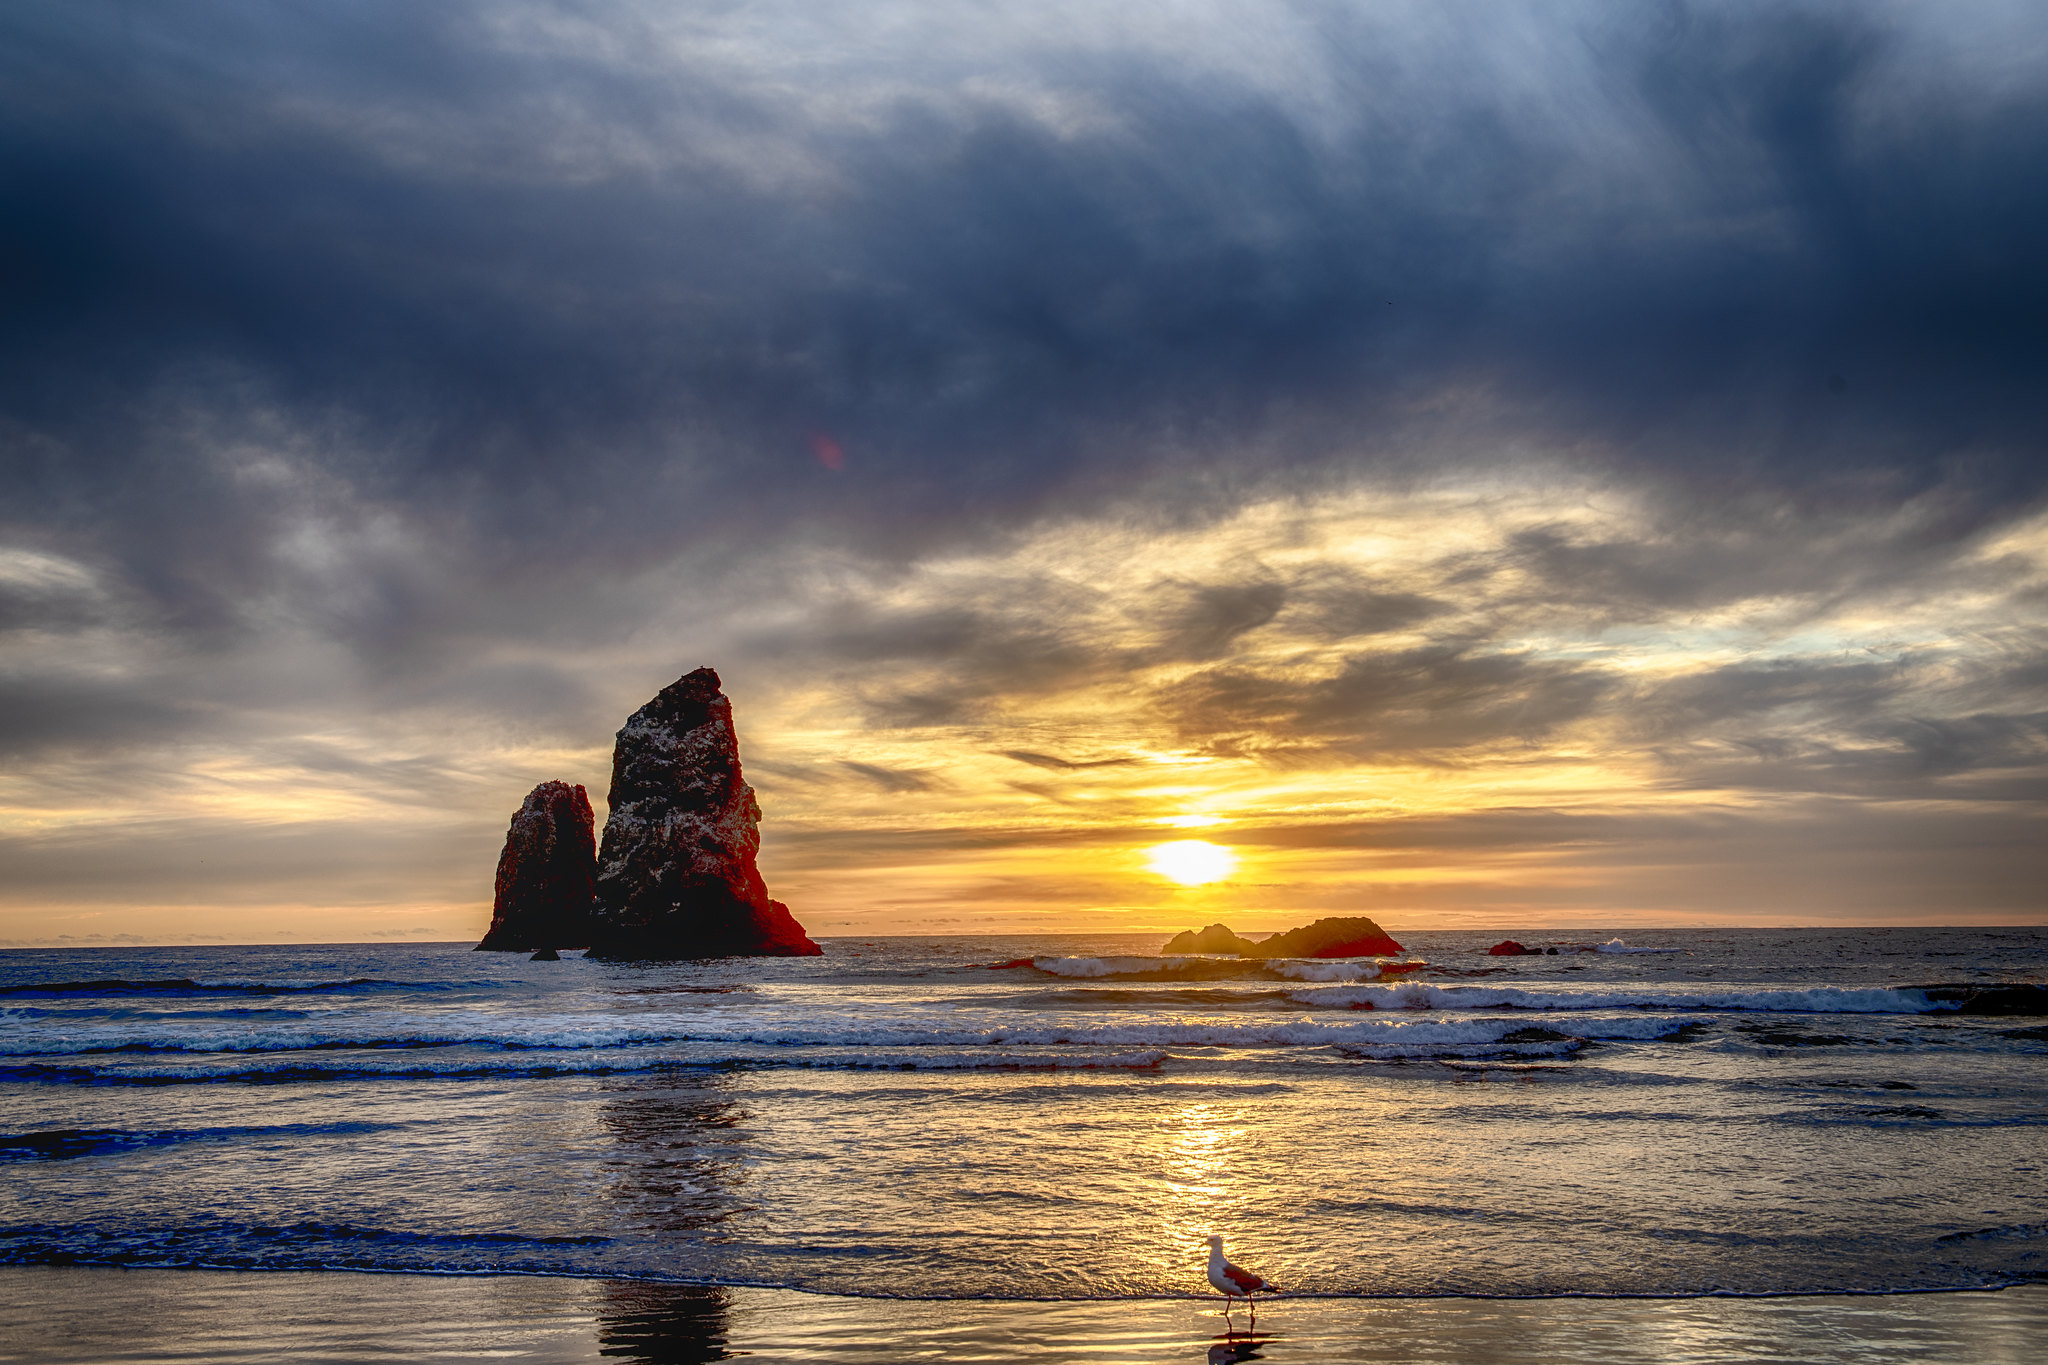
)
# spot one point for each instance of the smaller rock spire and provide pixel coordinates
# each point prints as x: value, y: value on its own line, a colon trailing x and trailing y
x: 546, y: 874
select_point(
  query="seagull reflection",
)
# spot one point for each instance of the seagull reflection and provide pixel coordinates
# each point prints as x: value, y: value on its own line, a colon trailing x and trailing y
x: 680, y: 1158
x: 671, y: 1181
x: 1235, y: 1348
x: 664, y: 1324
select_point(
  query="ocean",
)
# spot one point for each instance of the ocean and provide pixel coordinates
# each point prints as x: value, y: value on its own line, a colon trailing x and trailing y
x: 1680, y: 1113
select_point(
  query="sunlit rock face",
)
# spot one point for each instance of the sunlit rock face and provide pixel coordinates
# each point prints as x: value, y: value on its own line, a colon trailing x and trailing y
x: 545, y: 874
x: 676, y: 877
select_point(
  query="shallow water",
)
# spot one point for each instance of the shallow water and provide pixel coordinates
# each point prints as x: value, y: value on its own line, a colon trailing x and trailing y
x: 98, y: 1316
x: 1753, y: 1112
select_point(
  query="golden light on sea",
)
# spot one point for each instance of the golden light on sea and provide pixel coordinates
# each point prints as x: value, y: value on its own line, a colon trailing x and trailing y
x: 1191, y: 862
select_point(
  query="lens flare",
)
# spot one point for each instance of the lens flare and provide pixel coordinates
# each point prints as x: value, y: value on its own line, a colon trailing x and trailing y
x: 1191, y: 862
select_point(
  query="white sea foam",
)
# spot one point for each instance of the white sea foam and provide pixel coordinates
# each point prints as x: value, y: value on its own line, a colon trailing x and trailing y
x: 937, y: 1028
x: 273, y: 1068
x: 1215, y: 1031
x: 1615, y: 945
x: 1307, y: 969
x: 1110, y: 966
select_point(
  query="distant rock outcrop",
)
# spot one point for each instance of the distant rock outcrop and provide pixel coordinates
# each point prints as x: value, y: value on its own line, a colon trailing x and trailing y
x: 1507, y: 947
x: 1354, y: 936
x: 1216, y: 938
x: 676, y: 876
x: 545, y: 874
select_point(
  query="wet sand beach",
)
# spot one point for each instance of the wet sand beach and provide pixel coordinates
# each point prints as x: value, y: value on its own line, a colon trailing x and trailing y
x: 56, y: 1313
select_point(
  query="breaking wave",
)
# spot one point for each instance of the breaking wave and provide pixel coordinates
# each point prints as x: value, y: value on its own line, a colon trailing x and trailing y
x: 1215, y: 968
x: 587, y: 1046
x: 282, y: 1071
x: 889, y: 1113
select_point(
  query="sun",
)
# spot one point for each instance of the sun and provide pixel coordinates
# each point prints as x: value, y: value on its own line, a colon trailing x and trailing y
x: 1192, y: 862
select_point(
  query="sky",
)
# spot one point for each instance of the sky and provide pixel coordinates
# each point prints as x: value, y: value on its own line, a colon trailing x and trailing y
x: 1481, y: 466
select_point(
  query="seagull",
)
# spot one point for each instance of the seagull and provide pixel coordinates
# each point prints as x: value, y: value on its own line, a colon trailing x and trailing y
x: 1235, y: 1282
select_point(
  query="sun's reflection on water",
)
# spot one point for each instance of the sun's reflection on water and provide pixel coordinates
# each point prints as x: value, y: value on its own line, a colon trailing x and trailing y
x: 1203, y: 1178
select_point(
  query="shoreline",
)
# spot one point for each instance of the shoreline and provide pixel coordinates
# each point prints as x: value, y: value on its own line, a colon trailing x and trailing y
x: 195, y: 1316
x: 1291, y: 1296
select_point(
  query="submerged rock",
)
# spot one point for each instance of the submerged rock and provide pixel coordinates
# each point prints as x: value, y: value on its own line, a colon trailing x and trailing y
x: 676, y: 876
x: 545, y: 874
x: 1352, y: 936
x: 2018, y: 998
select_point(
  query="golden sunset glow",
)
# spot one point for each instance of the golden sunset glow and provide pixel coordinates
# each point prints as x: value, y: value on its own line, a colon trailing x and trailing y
x: 1192, y: 862
x: 1301, y: 671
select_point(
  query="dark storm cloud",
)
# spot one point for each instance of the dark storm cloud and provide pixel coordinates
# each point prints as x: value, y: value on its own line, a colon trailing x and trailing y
x: 435, y: 251
x: 1841, y: 692
x: 417, y: 331
x: 1338, y: 603
x: 1705, y: 557
x: 40, y: 713
x: 1982, y: 758
x: 45, y: 602
x: 1209, y: 618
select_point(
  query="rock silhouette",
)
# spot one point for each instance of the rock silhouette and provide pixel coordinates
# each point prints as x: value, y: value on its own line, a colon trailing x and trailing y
x: 1339, y: 936
x: 1217, y: 938
x: 1343, y: 936
x: 545, y: 874
x: 1508, y: 947
x: 676, y: 876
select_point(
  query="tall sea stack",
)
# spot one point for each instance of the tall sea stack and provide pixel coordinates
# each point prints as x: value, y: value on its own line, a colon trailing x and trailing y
x: 545, y: 874
x: 676, y: 876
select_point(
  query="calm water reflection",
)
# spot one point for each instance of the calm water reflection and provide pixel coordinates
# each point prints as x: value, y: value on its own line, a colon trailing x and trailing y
x: 679, y: 1162
x: 673, y: 1179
